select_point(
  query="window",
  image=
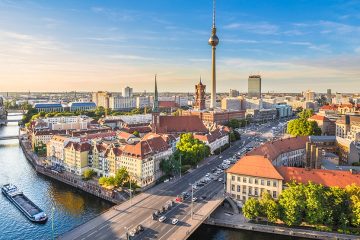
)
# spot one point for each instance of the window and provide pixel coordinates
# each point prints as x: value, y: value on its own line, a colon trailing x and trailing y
x: 232, y: 178
x: 274, y: 194
x: 262, y: 182
x: 250, y: 180
x: 232, y: 187
x: 244, y: 179
x: 274, y: 184
x: 238, y: 188
x: 238, y: 197
x: 244, y: 190
x: 238, y: 179
x: 268, y: 183
x: 256, y: 191
x: 256, y: 181
x: 250, y: 191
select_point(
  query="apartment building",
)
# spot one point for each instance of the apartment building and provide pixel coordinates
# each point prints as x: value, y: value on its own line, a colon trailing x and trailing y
x: 76, y: 157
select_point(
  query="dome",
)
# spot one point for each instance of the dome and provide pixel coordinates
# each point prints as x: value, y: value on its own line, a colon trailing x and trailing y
x: 213, y: 40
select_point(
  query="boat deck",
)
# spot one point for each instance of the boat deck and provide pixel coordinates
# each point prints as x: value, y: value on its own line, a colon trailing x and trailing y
x: 26, y: 205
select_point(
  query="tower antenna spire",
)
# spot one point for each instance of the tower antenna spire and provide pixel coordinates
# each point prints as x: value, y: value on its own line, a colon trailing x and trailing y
x: 213, y: 13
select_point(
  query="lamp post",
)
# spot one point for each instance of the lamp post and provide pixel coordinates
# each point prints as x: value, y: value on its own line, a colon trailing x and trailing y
x: 192, y: 201
x: 52, y: 221
x: 180, y: 164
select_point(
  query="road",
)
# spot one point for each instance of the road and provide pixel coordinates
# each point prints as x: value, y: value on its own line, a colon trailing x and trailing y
x: 116, y: 222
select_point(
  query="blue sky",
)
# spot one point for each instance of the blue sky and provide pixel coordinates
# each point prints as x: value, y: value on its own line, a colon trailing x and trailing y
x: 104, y: 45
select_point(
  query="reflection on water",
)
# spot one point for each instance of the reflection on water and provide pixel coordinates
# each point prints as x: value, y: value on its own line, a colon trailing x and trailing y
x: 72, y: 207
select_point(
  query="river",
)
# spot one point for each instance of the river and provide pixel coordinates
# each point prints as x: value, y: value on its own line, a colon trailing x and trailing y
x: 72, y: 207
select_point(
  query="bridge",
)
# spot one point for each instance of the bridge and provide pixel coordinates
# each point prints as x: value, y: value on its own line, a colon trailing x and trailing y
x: 9, y: 137
x: 120, y: 219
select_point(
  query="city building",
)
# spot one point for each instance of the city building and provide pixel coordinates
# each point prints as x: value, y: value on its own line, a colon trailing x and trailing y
x: 284, y: 110
x: 122, y: 103
x: 214, y: 139
x: 213, y: 42
x: 233, y: 104
x: 309, y: 95
x: 329, y: 96
x: 76, y: 157
x: 348, y: 126
x: 218, y: 117
x: 143, y: 102
x: 326, y: 125
x: 82, y: 106
x: 49, y: 107
x: 283, y: 152
x: 261, y: 115
x: 127, y: 92
x: 233, y: 93
x: 254, y: 86
x: 251, y: 176
x: 55, y: 149
x: 101, y: 99
x: 199, y: 96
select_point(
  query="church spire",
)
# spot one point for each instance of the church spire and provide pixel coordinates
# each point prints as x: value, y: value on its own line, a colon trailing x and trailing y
x: 156, y: 98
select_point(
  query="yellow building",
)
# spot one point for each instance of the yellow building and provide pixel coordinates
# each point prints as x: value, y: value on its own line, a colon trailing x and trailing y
x: 76, y: 157
x: 252, y: 175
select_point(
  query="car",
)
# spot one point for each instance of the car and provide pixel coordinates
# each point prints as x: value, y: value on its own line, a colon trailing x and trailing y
x: 203, y: 197
x: 194, y: 199
x: 179, y: 199
x: 162, y: 219
x: 220, y: 157
x: 174, y: 221
x: 207, y: 175
x: 220, y: 179
x: 132, y: 233
x: 139, y: 228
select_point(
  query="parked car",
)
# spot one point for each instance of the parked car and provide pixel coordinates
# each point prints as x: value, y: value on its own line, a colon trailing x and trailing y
x: 162, y: 219
x: 174, y: 221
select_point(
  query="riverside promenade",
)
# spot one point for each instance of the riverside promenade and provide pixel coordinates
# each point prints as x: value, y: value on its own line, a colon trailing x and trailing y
x: 70, y: 179
x: 223, y: 218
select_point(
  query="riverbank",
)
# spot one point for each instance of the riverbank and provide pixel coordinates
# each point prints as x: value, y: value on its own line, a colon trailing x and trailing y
x: 68, y: 178
x: 223, y: 217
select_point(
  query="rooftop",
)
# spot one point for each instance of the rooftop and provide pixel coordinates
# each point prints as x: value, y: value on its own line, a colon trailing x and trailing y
x: 328, y: 178
x: 257, y: 166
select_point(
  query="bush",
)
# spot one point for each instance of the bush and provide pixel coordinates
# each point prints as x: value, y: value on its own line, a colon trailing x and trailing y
x: 88, y: 174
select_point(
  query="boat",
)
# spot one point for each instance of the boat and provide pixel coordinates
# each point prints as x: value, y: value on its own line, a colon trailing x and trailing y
x: 24, y: 204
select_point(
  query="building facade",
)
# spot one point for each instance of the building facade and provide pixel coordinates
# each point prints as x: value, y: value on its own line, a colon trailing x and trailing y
x: 199, y: 96
x: 254, y: 86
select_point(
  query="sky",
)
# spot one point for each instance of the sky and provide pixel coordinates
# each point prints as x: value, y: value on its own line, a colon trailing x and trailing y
x: 81, y: 45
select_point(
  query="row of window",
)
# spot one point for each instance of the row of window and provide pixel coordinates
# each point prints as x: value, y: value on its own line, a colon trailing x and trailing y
x: 251, y: 191
x: 255, y: 180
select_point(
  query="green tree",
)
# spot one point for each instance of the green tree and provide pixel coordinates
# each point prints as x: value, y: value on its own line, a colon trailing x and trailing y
x: 337, y: 206
x: 353, y: 192
x: 103, y: 181
x: 292, y: 204
x: 170, y: 166
x: 316, y: 211
x: 252, y: 208
x: 192, y: 150
x: 136, y: 133
x: 302, y: 127
x: 121, y: 176
x: 88, y: 174
x: 269, y: 207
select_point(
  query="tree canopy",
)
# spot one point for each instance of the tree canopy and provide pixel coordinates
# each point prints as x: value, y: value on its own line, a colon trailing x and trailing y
x: 192, y: 150
x: 301, y: 126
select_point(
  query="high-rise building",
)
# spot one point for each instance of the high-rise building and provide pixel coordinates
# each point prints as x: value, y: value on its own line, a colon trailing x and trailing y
x: 234, y: 93
x: 309, y: 95
x: 101, y: 99
x: 328, y: 95
x: 213, y: 42
x: 254, y: 86
x: 127, y: 92
x: 200, y: 96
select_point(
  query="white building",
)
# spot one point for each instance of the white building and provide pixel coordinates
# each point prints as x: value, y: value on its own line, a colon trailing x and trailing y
x: 122, y: 103
x: 142, y: 102
x: 127, y: 92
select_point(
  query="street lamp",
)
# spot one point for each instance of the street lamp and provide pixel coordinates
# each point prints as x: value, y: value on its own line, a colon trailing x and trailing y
x: 52, y: 221
x: 180, y: 164
x: 192, y: 201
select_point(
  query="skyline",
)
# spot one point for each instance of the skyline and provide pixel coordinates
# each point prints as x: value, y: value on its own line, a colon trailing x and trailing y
x: 90, y: 46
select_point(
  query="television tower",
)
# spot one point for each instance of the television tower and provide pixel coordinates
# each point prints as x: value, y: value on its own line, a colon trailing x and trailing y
x: 213, y: 42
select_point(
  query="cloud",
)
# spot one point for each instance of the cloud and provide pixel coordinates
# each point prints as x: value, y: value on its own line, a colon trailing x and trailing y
x: 132, y: 57
x: 116, y: 15
x: 357, y: 50
x: 258, y: 28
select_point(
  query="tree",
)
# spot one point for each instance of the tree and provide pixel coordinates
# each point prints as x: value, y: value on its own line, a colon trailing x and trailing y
x: 292, y: 204
x: 136, y: 133
x: 316, y: 211
x: 302, y: 127
x: 337, y: 206
x: 170, y: 166
x: 192, y: 150
x: 252, y: 208
x: 121, y: 176
x: 103, y: 181
x: 353, y: 192
x: 88, y: 174
x: 269, y: 207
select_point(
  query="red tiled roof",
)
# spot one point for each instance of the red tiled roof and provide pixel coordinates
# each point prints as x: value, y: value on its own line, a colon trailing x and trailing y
x: 212, y: 136
x: 273, y: 149
x: 146, y: 147
x: 256, y: 166
x: 81, y: 147
x: 329, y: 107
x: 124, y: 135
x: 168, y: 104
x: 318, y: 118
x: 181, y: 124
x: 328, y: 178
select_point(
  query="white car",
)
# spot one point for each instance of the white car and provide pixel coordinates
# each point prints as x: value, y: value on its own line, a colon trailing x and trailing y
x: 174, y: 221
x: 194, y: 199
x: 220, y: 179
x: 220, y: 157
x: 162, y: 218
x: 207, y: 175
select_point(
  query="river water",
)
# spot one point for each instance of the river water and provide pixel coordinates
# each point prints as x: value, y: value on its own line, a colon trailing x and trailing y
x: 72, y: 207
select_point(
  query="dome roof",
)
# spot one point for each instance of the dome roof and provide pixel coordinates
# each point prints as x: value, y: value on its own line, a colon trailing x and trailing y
x: 213, y: 40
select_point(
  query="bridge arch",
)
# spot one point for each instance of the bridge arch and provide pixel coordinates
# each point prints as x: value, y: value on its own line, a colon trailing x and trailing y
x: 233, y: 205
